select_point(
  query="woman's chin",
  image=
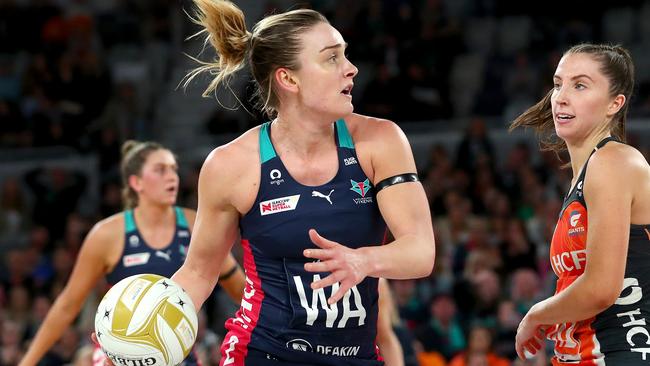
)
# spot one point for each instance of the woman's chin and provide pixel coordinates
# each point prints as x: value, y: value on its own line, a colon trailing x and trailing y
x: 564, y: 132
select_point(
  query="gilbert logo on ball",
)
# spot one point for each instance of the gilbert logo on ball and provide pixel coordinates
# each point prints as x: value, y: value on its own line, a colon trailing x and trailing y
x: 146, y: 320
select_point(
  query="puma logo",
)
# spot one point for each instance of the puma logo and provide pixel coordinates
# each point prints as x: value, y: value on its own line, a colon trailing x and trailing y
x: 166, y: 255
x: 318, y: 194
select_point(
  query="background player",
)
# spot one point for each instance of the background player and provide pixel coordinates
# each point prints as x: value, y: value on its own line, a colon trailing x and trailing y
x: 387, y: 341
x: 151, y: 236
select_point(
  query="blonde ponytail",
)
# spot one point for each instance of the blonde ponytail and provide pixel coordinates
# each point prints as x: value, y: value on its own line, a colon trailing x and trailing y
x: 275, y: 42
x: 226, y: 31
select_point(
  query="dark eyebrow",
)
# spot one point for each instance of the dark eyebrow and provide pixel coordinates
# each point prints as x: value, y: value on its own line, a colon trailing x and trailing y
x: 165, y: 164
x: 575, y: 77
x: 345, y: 45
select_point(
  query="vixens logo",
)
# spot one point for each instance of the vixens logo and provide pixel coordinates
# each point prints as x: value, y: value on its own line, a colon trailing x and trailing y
x: 362, y: 189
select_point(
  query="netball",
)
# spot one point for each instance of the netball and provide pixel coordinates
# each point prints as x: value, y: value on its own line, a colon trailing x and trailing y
x: 146, y: 320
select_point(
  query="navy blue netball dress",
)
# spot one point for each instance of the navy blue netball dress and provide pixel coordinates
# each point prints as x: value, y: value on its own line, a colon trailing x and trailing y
x: 281, y: 319
x: 138, y: 257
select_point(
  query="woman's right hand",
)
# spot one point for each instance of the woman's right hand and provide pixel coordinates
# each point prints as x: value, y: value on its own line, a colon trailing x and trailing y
x: 346, y: 266
x: 530, y: 337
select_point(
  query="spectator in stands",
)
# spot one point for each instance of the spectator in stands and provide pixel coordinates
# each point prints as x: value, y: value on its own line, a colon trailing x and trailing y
x: 517, y: 251
x: 11, y: 335
x: 479, y: 350
x: 14, y: 213
x: 443, y: 332
x: 508, y: 319
x: 56, y: 192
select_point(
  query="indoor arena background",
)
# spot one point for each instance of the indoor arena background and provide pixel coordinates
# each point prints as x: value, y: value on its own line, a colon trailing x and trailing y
x: 79, y: 77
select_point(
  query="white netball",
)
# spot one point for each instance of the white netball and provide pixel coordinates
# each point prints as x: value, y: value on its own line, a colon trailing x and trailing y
x: 146, y: 320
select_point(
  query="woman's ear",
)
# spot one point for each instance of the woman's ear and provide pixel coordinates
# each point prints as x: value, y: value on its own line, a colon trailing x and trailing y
x: 617, y: 103
x: 134, y: 183
x: 285, y: 80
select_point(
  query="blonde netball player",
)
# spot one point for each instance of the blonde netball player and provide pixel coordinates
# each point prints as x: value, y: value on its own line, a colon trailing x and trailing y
x: 311, y: 192
x: 151, y: 236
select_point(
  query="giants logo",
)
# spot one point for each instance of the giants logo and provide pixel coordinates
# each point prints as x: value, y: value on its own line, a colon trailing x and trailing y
x: 568, y: 261
x: 319, y: 301
x: 637, y: 324
x: 576, y: 226
x: 575, y: 216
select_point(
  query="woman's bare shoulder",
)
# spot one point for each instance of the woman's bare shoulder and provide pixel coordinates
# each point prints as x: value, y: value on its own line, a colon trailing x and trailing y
x: 236, y: 155
x: 110, y: 227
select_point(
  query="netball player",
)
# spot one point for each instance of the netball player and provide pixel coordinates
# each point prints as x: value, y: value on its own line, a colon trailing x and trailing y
x: 600, y: 249
x: 151, y: 236
x: 312, y: 192
x: 389, y: 346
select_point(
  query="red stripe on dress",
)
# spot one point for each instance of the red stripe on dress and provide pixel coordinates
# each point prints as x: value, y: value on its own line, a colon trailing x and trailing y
x: 377, y: 350
x: 235, y: 345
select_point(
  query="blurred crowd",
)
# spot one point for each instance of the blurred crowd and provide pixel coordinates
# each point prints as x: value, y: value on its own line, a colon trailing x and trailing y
x: 87, y: 74
x: 493, y: 220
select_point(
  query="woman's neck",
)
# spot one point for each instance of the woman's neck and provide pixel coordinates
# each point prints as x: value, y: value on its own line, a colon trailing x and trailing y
x: 152, y: 215
x: 303, y: 137
x: 579, y: 152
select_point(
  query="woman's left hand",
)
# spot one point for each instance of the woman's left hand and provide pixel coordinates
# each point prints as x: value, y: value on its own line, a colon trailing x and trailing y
x: 530, y: 336
x: 347, y: 266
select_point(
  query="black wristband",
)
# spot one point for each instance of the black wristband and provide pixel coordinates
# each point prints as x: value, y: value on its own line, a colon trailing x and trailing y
x: 397, y: 179
x: 229, y: 273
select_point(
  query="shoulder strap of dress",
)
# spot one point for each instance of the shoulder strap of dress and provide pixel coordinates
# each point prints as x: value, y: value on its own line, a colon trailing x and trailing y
x: 267, y: 152
x: 599, y: 145
x: 181, y: 221
x: 129, y: 222
x: 604, y: 141
x: 344, y: 137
